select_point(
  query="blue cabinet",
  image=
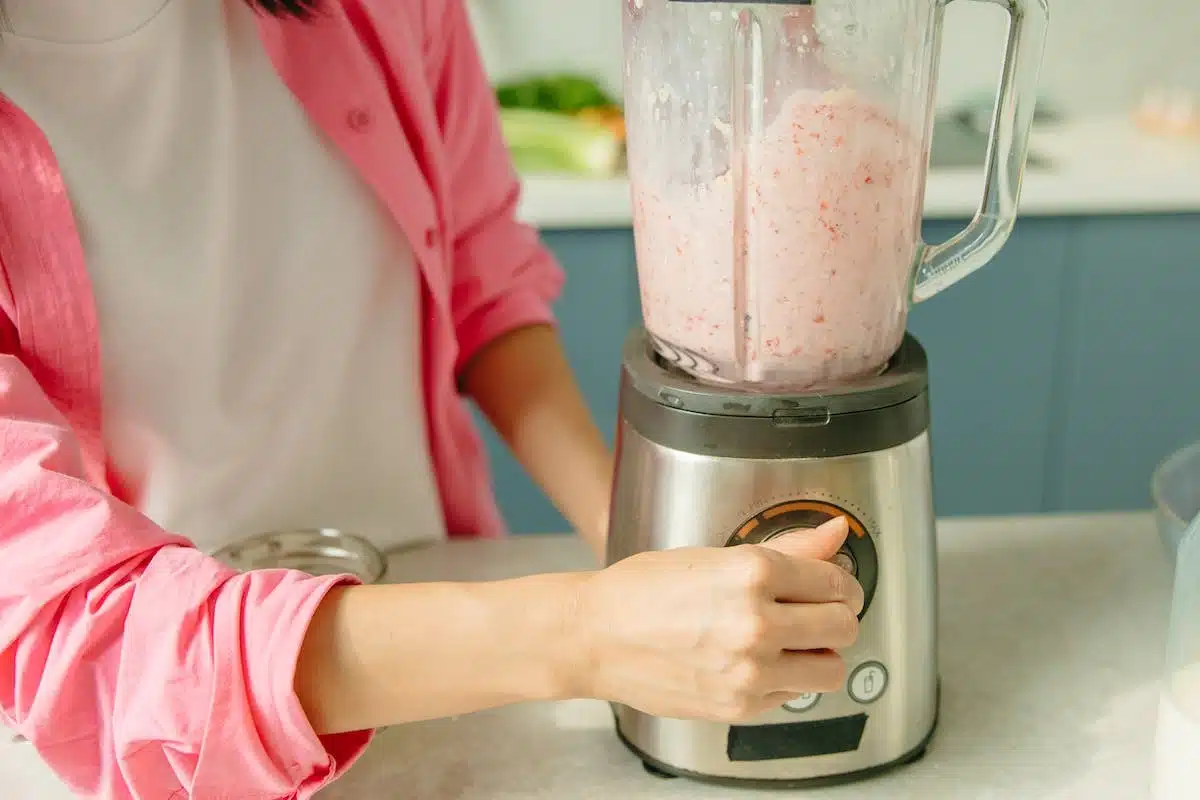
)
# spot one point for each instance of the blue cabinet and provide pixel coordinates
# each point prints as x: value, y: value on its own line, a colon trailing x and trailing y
x: 991, y: 341
x: 598, y: 307
x: 1061, y: 373
x: 1129, y: 390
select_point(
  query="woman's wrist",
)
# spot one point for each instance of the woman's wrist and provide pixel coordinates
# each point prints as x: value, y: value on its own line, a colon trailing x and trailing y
x: 385, y: 655
x: 585, y: 503
x: 553, y: 661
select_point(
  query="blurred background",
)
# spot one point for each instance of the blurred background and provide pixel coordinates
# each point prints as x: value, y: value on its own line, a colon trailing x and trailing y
x: 1101, y: 54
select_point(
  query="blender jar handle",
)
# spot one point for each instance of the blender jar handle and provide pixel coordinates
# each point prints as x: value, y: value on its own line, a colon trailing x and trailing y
x: 939, y: 266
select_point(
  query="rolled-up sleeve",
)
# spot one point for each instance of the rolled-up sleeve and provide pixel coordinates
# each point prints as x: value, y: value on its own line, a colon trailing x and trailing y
x: 503, y: 276
x: 136, y: 665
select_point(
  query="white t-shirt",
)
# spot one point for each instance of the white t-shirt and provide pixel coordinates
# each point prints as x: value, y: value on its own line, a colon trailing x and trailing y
x: 259, y: 310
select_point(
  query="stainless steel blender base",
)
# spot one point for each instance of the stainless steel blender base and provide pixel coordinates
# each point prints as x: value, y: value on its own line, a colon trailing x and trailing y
x: 699, y: 465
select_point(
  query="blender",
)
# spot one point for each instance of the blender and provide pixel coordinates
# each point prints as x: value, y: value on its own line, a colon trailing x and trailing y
x: 777, y: 155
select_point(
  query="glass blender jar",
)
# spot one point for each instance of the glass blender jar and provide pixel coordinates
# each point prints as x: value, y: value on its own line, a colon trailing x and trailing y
x: 1176, y: 768
x: 777, y: 155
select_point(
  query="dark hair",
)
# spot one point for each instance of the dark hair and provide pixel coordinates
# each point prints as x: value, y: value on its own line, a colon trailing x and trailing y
x: 303, y: 9
x: 287, y: 8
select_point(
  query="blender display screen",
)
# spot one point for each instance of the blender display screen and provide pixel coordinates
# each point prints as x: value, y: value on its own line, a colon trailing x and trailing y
x: 821, y: 737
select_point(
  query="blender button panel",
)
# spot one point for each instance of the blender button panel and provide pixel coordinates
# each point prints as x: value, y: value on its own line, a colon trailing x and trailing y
x: 805, y: 702
x: 857, y: 555
x: 867, y: 682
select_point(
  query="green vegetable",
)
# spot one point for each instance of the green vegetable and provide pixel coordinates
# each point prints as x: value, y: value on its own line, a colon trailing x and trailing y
x: 564, y: 93
x: 549, y: 142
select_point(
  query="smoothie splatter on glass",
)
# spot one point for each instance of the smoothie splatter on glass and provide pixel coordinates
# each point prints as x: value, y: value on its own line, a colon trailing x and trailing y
x: 827, y: 225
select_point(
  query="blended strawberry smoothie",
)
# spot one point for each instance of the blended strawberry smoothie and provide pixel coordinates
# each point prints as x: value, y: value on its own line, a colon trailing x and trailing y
x: 831, y: 215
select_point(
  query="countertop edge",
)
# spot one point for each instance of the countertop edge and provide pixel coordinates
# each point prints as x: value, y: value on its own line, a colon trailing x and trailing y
x: 551, y: 204
x: 1150, y: 176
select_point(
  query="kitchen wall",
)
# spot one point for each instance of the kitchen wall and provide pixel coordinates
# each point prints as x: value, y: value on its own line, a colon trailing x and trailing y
x: 1100, y: 56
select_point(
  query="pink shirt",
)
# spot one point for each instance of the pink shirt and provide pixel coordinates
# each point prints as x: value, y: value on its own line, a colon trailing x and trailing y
x: 119, y: 642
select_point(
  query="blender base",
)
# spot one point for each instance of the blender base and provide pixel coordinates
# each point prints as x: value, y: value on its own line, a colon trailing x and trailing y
x: 666, y: 772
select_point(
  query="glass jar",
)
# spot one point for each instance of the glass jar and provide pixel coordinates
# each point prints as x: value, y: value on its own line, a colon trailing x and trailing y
x: 1177, y: 748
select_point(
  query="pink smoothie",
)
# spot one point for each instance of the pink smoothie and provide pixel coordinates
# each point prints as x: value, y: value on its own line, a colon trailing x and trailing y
x: 832, y: 213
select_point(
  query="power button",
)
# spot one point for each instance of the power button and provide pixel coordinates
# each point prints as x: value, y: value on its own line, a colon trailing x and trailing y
x: 868, y: 682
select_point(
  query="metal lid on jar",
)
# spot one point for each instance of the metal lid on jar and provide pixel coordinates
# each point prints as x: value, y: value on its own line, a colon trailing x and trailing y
x: 319, y: 551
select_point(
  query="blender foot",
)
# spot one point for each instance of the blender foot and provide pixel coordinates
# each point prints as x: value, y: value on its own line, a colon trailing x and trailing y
x: 656, y: 772
x: 916, y: 756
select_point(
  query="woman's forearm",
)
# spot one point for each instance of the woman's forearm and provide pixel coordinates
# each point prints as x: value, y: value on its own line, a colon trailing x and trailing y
x: 524, y: 385
x: 384, y: 655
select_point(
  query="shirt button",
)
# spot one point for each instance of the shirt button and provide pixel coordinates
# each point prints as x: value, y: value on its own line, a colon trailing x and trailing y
x: 359, y: 119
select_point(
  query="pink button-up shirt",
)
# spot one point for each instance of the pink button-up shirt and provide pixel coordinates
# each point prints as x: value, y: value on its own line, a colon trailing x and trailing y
x: 137, y: 666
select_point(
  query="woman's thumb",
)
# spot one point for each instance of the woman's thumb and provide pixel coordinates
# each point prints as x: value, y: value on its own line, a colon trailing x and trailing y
x: 821, y: 543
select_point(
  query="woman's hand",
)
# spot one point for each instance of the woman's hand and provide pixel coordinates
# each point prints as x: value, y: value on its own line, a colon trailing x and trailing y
x: 712, y: 633
x: 721, y: 633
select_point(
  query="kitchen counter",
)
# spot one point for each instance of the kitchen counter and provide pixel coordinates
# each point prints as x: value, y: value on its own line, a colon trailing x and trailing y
x: 1098, y: 166
x: 1052, y: 628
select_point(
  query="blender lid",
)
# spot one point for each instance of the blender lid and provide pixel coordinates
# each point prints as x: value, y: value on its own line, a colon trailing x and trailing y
x: 906, y: 376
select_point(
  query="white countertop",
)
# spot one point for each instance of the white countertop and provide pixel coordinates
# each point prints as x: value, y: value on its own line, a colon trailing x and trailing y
x: 1100, y: 166
x: 1053, y: 631
x: 1052, y: 634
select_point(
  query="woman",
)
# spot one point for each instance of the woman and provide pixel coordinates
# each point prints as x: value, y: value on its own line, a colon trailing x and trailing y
x: 253, y: 258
